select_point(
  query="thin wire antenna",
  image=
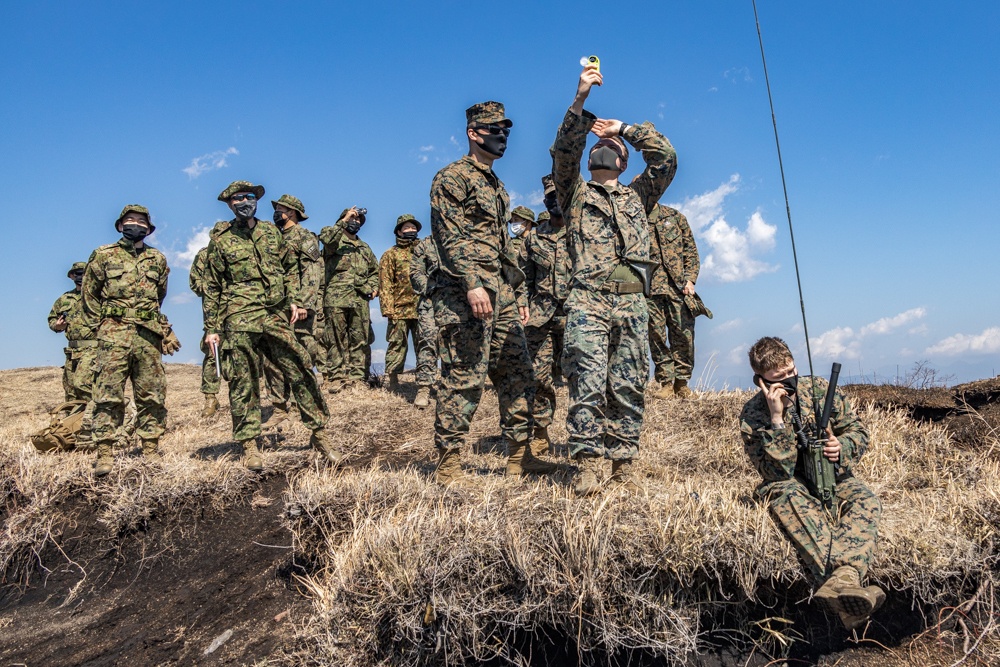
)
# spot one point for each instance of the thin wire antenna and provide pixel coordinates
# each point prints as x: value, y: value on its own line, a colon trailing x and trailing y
x: 788, y: 209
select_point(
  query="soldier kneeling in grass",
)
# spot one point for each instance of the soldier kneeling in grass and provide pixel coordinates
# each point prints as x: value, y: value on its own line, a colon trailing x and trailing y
x: 836, y: 541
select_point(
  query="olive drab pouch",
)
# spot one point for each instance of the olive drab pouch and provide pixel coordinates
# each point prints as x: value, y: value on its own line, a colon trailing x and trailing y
x: 60, y: 434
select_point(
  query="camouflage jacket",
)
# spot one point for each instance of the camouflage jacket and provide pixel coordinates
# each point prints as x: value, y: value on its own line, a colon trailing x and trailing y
x: 674, y: 250
x: 303, y: 245
x: 251, y: 274
x: 774, y: 452
x: 545, y: 262
x: 470, y: 209
x: 424, y: 264
x: 351, y: 268
x: 607, y: 226
x: 396, y: 297
x: 71, y: 303
x: 123, y: 288
x: 198, y: 275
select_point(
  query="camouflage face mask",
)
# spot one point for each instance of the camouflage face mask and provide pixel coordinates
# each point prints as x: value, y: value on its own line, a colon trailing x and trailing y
x: 245, y: 209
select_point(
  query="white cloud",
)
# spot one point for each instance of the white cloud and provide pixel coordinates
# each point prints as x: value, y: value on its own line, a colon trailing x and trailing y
x: 702, y: 209
x: 422, y: 159
x: 196, y: 242
x: 918, y: 330
x: 536, y: 197
x: 515, y: 197
x: 728, y: 325
x: 426, y: 149
x: 737, y: 74
x: 183, y: 297
x: 846, y: 342
x: 889, y: 324
x: 378, y: 355
x: 738, y: 355
x: 375, y: 313
x: 209, y: 162
x: 987, y: 342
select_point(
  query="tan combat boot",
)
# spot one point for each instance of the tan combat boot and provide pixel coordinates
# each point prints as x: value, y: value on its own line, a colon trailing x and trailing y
x: 394, y: 383
x: 665, y: 392
x: 151, y: 450
x: 322, y: 442
x: 541, y: 444
x: 211, y: 406
x: 279, y: 414
x: 681, y: 389
x: 105, y: 460
x: 826, y: 596
x: 520, y: 461
x: 623, y: 474
x: 423, y: 398
x: 449, y: 467
x: 251, y: 455
x: 854, y: 600
x: 586, y: 479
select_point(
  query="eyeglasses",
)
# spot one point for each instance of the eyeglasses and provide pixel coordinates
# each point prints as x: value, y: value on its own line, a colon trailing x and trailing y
x: 240, y: 196
x: 495, y: 129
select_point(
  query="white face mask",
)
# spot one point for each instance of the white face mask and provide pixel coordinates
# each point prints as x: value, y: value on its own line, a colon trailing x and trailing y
x: 515, y: 229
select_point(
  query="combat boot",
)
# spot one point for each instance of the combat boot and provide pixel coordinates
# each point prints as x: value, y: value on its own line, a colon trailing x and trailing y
x: 449, y: 467
x: 423, y: 398
x: 666, y: 391
x: 394, y: 383
x: 623, y: 474
x: 586, y: 479
x: 681, y: 389
x: 105, y: 460
x: 322, y: 442
x: 251, y: 455
x: 211, y: 406
x: 520, y: 461
x: 279, y: 414
x: 826, y: 596
x: 541, y: 444
x: 856, y: 600
x: 151, y: 450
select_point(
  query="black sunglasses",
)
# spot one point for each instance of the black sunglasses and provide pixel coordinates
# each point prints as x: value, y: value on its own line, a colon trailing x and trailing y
x: 495, y: 129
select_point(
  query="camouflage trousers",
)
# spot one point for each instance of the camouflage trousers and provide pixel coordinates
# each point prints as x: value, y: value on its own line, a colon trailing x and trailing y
x: 78, y: 371
x: 605, y: 358
x: 277, y: 386
x: 210, y: 382
x: 348, y: 343
x: 824, y: 542
x: 427, y: 346
x: 137, y: 357
x: 472, y: 349
x: 545, y: 346
x: 395, y: 335
x: 670, y: 321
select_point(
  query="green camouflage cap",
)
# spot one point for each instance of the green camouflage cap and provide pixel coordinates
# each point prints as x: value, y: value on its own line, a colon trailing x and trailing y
x: 293, y: 203
x: 241, y: 186
x: 487, y: 113
x: 402, y: 220
x: 77, y: 266
x: 548, y: 183
x: 135, y: 208
x: 543, y: 217
x: 524, y: 213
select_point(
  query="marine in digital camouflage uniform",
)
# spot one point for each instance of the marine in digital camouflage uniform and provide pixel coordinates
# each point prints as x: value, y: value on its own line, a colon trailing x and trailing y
x: 546, y: 265
x: 397, y: 300
x: 252, y: 300
x: 123, y: 287
x: 479, y: 315
x: 424, y: 264
x: 210, y: 382
x: 522, y: 219
x: 671, y: 320
x: 606, y: 349
x: 836, y: 546
x: 351, y: 281
x: 303, y: 246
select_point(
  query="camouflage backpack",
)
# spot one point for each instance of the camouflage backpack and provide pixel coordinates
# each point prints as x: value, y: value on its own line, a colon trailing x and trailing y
x: 61, y: 432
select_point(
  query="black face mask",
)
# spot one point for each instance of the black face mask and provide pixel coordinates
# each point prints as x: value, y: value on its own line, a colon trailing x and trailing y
x: 279, y: 218
x: 552, y: 205
x: 604, y: 157
x: 408, y: 236
x: 791, y: 384
x: 353, y: 227
x: 494, y: 144
x: 134, y: 232
x: 245, y: 209
x: 78, y: 279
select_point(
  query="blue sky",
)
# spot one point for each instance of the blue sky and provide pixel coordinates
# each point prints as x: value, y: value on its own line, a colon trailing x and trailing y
x: 887, y: 113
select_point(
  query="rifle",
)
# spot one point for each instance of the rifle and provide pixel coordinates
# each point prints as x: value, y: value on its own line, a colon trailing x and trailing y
x: 820, y: 473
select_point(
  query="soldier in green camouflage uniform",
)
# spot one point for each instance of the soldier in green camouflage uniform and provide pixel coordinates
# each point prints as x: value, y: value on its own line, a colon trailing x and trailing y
x: 252, y: 298
x: 303, y: 246
x: 424, y: 264
x: 480, y: 318
x: 670, y: 320
x: 545, y: 262
x: 67, y: 316
x: 606, y: 353
x: 836, y: 547
x: 522, y: 219
x: 397, y: 300
x: 351, y: 282
x: 210, y: 382
x: 123, y: 287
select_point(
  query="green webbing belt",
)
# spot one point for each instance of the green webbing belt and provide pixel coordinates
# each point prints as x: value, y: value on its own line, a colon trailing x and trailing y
x: 116, y: 311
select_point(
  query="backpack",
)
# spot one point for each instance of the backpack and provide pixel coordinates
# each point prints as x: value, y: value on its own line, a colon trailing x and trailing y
x: 61, y: 432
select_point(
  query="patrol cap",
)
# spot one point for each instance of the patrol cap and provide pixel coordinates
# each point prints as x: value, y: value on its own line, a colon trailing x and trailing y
x: 241, y: 186
x: 543, y: 217
x: 548, y: 183
x: 77, y: 266
x: 487, y: 113
x: 135, y: 208
x: 524, y: 213
x: 402, y: 220
x: 293, y: 203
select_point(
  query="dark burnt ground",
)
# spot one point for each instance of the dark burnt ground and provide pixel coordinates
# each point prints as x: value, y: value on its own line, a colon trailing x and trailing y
x: 160, y: 596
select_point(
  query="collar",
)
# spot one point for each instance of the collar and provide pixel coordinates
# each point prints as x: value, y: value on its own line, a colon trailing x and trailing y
x: 486, y: 169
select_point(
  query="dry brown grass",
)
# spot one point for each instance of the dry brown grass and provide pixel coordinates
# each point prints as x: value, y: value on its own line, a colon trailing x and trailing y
x: 403, y: 572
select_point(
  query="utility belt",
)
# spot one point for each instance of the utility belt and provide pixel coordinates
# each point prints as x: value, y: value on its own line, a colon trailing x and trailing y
x: 623, y: 280
x: 116, y: 311
x: 76, y: 344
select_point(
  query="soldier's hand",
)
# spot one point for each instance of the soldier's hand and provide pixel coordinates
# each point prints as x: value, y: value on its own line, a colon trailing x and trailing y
x: 352, y: 214
x: 212, y: 341
x: 689, y: 289
x: 588, y: 78
x: 298, y: 314
x: 60, y: 324
x: 523, y: 312
x: 831, y: 449
x: 776, y: 397
x: 374, y: 294
x: 170, y: 343
x: 606, y: 129
x: 479, y: 299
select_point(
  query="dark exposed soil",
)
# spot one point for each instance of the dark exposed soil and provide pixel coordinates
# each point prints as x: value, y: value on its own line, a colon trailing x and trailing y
x: 161, y: 596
